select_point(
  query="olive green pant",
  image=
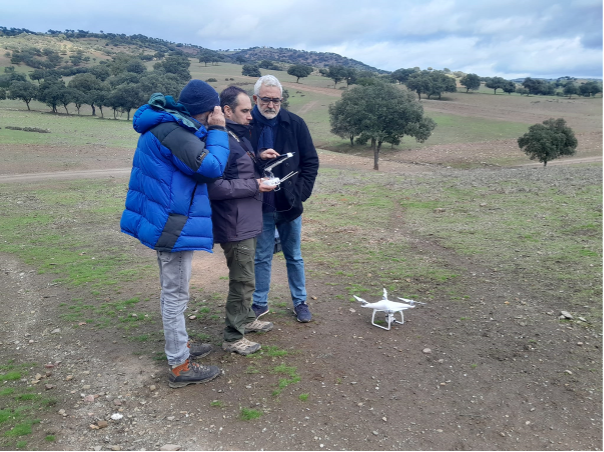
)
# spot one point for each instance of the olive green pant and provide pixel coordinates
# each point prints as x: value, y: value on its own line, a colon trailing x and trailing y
x: 240, y: 260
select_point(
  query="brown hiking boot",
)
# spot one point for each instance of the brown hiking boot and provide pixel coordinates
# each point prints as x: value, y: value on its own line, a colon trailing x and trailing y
x: 258, y: 326
x: 191, y: 373
x: 242, y: 346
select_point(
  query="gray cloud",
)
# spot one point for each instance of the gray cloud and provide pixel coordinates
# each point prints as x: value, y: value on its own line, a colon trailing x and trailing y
x: 507, y: 38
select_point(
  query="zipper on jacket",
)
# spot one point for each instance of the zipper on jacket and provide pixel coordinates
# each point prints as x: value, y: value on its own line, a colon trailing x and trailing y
x: 193, y: 196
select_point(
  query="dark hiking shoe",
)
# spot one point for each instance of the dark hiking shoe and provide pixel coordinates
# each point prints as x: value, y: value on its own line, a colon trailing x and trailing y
x: 258, y: 326
x: 191, y: 373
x: 303, y: 315
x: 259, y: 310
x: 199, y: 350
x: 242, y: 346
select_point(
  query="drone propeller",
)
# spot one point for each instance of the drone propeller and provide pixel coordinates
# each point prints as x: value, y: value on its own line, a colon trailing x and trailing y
x: 411, y: 302
x: 360, y: 300
x: 385, y: 296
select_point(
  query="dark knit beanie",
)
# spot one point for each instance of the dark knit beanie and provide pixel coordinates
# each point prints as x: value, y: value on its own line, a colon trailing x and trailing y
x: 198, y: 97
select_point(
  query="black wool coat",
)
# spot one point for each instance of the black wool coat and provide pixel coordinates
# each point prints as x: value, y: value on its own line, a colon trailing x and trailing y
x: 292, y: 136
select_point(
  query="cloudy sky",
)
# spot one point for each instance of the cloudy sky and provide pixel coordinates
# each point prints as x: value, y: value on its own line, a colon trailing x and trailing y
x: 508, y: 38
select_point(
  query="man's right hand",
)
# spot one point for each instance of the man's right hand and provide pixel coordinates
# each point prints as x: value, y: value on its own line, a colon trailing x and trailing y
x: 216, y: 118
x: 269, y: 154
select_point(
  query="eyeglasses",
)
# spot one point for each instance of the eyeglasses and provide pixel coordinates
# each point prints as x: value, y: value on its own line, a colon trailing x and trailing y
x: 268, y: 100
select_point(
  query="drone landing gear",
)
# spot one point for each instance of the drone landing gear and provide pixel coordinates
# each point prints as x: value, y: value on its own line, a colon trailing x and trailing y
x: 389, y: 319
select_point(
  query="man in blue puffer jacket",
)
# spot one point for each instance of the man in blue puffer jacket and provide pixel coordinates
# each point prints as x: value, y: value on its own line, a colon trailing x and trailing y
x: 167, y: 206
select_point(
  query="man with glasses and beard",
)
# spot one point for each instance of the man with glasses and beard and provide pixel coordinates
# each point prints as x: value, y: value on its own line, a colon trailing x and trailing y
x: 280, y: 130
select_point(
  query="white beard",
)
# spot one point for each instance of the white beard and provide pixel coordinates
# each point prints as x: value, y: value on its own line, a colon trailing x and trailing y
x: 269, y: 114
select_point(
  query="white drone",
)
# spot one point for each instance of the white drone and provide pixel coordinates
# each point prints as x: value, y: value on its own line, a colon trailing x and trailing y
x: 270, y: 179
x: 389, y: 308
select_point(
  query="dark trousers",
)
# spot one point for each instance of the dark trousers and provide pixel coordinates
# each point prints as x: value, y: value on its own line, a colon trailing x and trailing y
x: 240, y: 260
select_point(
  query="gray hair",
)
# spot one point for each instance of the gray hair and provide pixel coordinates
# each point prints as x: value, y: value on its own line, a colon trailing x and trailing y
x: 267, y: 80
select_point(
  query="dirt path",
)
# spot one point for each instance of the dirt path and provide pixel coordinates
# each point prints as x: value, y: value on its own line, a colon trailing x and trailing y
x: 313, y: 89
x: 66, y: 175
x: 569, y: 161
x: 328, y: 159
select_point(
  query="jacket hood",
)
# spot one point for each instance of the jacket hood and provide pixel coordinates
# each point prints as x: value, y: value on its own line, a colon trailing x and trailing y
x: 147, y: 117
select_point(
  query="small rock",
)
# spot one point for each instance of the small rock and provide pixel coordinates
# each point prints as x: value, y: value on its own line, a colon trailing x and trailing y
x: 568, y: 372
x: 170, y: 447
x: 93, y: 427
x: 47, y: 387
x: 427, y: 351
x: 56, y: 331
x: 192, y: 317
x: 116, y: 448
x: 385, y: 419
x: 102, y: 424
x: 89, y: 398
x: 313, y: 297
x: 579, y: 343
x: 69, y: 377
x: 49, y: 366
x: 97, y: 448
x: 566, y: 315
x: 117, y: 402
x: 152, y: 388
x: 502, y: 434
x: 352, y: 310
x: 61, y: 411
x: 170, y: 418
x: 439, y: 210
x: 86, y: 387
x: 116, y: 416
x: 582, y: 319
x: 375, y: 433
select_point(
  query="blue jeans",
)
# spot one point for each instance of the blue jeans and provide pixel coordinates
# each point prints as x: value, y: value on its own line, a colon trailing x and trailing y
x: 174, y: 277
x: 291, y: 237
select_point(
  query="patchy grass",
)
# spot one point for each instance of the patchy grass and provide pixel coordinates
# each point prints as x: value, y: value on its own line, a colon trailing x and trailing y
x: 248, y: 414
x: 285, y: 382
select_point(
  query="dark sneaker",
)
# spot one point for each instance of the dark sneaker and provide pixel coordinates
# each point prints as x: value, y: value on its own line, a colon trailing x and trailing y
x: 258, y: 326
x: 242, y: 346
x: 259, y: 310
x: 199, y: 350
x: 303, y: 315
x: 191, y: 373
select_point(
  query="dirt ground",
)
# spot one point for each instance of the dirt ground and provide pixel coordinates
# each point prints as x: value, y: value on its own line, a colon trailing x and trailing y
x: 435, y: 383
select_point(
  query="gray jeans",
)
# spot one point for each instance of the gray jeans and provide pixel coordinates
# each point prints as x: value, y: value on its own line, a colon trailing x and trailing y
x: 174, y: 277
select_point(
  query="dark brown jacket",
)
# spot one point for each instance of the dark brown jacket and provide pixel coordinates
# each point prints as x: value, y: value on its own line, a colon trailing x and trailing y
x: 236, y: 198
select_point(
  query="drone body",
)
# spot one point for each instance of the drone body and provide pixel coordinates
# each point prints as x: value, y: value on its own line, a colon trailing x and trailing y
x: 389, y: 308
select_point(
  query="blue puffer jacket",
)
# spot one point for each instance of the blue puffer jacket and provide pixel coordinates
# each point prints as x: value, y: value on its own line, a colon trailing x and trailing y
x: 167, y: 205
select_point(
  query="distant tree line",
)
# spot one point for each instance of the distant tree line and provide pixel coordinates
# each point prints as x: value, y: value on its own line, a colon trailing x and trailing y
x: 433, y: 83
x: 122, y: 84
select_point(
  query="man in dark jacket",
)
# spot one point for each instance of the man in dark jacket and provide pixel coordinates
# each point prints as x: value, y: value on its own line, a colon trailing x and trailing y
x: 237, y: 219
x: 284, y: 132
x: 167, y: 206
